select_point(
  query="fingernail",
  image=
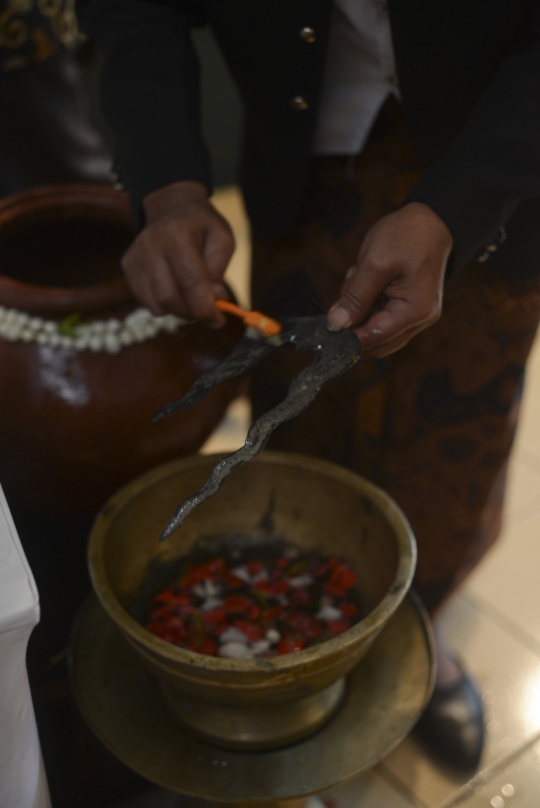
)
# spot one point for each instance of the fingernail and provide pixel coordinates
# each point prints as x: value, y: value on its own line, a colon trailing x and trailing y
x: 338, y: 318
x: 350, y: 273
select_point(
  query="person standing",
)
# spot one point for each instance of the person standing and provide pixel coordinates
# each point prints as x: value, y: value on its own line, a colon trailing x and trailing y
x: 46, y: 136
x: 391, y: 174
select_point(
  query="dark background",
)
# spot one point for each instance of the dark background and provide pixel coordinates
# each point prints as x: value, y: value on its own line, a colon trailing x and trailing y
x: 221, y: 108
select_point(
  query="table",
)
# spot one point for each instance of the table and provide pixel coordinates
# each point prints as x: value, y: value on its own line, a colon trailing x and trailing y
x: 23, y: 782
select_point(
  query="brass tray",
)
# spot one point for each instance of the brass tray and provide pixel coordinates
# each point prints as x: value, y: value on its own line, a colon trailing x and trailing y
x: 122, y: 703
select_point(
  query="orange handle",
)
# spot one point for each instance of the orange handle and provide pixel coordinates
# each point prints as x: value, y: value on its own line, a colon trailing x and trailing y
x: 264, y: 324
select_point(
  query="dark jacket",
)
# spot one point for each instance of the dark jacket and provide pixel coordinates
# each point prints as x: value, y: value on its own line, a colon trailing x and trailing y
x: 469, y: 73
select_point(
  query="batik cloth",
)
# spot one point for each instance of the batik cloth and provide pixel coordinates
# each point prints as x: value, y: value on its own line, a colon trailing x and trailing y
x: 31, y: 31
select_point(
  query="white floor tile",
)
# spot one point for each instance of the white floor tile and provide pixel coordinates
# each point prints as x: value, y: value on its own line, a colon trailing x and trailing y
x: 523, y: 484
x: 509, y: 675
x: 528, y: 434
x: 368, y: 791
x: 229, y: 203
x: 516, y: 785
x: 230, y: 433
x: 508, y: 579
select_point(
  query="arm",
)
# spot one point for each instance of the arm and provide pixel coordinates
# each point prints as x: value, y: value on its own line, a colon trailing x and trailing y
x: 493, y: 163
x: 150, y: 90
x: 150, y: 93
x: 449, y: 216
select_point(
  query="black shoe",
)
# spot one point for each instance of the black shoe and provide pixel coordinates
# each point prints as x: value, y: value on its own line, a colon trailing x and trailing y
x: 452, y: 725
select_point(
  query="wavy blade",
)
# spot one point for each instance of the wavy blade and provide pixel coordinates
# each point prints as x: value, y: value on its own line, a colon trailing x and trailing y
x: 336, y: 354
x: 245, y: 355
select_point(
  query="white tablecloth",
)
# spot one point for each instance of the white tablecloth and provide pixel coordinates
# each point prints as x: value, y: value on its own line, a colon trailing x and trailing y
x: 22, y: 777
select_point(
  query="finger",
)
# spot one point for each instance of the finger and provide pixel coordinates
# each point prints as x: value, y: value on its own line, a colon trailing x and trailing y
x: 358, y: 297
x: 396, y: 319
x: 219, y: 246
x: 380, y: 351
x: 220, y: 291
x: 191, y: 277
x: 165, y: 293
x: 156, y: 289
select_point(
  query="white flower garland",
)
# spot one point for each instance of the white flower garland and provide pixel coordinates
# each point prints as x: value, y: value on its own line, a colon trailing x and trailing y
x: 100, y: 335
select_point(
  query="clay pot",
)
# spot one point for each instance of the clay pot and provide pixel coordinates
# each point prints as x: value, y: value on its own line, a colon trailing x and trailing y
x: 77, y: 424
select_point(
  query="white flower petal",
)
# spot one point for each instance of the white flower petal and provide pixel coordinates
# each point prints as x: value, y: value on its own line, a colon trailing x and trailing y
x: 235, y: 650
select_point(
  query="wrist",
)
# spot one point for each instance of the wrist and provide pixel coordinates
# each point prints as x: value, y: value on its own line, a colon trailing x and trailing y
x: 161, y: 201
x: 434, y: 220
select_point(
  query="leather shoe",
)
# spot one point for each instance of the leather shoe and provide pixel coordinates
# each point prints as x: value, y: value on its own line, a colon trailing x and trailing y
x: 452, y: 725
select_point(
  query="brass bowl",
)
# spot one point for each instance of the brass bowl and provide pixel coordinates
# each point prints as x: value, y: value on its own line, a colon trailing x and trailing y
x: 264, y: 703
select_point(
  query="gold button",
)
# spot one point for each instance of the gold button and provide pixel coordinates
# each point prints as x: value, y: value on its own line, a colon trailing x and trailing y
x: 300, y: 104
x: 307, y: 35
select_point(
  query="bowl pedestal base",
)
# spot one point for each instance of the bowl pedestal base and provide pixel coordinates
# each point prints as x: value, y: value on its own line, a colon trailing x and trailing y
x: 253, y: 728
x: 124, y: 705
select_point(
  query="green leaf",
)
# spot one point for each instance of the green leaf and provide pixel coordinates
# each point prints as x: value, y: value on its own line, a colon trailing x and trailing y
x: 68, y: 327
x: 297, y: 567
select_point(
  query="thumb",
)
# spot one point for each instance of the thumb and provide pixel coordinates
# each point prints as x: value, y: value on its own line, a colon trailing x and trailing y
x: 358, y: 297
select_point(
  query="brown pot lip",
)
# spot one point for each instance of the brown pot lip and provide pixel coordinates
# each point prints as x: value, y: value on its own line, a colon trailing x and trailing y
x: 36, y: 299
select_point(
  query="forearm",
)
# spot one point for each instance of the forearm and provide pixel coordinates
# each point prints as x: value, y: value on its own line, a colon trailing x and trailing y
x: 494, y: 162
x: 150, y: 91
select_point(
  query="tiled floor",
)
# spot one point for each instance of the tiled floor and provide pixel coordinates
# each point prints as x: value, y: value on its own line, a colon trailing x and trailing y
x: 494, y: 623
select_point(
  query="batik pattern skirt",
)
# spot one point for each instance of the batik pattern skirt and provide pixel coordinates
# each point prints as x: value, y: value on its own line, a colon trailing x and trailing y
x: 432, y: 424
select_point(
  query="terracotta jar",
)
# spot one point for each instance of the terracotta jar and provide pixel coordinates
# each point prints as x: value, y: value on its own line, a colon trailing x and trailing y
x: 83, y: 367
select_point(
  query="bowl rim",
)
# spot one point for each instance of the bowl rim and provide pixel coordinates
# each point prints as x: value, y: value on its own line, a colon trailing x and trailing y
x: 166, y: 651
